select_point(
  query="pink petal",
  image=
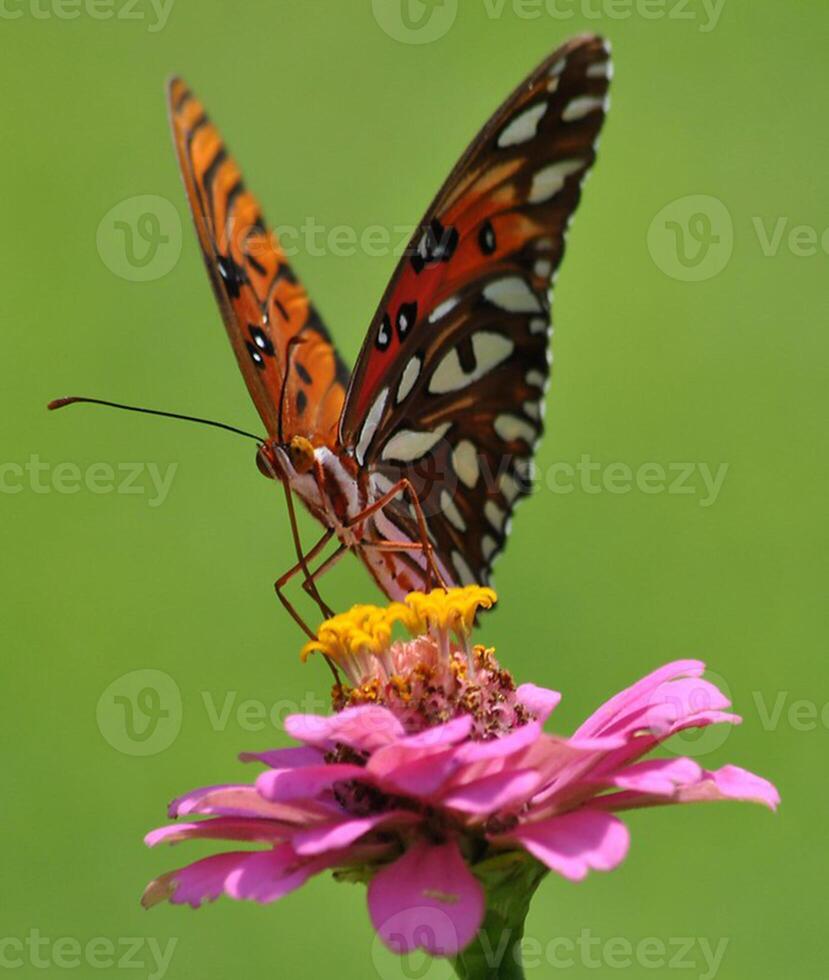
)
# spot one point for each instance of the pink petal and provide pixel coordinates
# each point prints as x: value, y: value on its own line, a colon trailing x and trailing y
x: 732, y: 783
x: 427, y: 899
x: 728, y: 783
x: 658, y: 776
x: 286, y: 785
x: 540, y: 700
x: 241, y: 801
x: 366, y: 728
x: 421, y: 764
x: 220, y: 828
x: 496, y: 748
x: 266, y: 876
x: 291, y: 758
x: 706, y: 718
x: 337, y: 836
x: 493, y: 793
x: 637, y: 694
x: 439, y: 736
x: 678, y: 701
x: 576, y: 842
x: 419, y: 775
x: 202, y: 881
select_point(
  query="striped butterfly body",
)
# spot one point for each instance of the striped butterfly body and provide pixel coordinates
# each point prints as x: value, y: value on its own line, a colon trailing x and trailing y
x: 417, y: 459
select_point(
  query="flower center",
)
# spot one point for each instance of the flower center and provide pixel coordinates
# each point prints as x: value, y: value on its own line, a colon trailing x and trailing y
x: 433, y: 676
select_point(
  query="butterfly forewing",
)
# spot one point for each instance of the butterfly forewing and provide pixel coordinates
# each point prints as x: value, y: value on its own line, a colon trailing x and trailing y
x: 449, y: 387
x: 274, y: 330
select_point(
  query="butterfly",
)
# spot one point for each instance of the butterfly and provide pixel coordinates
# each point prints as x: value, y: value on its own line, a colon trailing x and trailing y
x: 416, y: 460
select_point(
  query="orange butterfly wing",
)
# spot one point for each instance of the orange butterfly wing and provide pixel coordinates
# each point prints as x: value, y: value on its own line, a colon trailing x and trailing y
x: 275, y: 332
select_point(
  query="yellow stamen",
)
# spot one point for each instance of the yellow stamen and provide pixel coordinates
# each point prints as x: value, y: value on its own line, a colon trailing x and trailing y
x: 365, y: 632
x: 444, y: 609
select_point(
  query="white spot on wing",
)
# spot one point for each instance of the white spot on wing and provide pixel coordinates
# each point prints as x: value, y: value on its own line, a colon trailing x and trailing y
x: 581, y: 107
x: 490, y: 350
x: 543, y: 268
x: 381, y: 484
x: 369, y: 429
x: 557, y: 68
x: 463, y: 569
x: 488, y: 546
x: 451, y: 512
x: 536, y: 379
x: 465, y: 462
x: 602, y: 69
x: 445, y: 308
x: 510, y: 428
x: 535, y: 410
x: 549, y: 180
x: 407, y: 445
x: 407, y: 381
x: 524, y: 466
x: 514, y: 295
x: 509, y: 488
x: 539, y: 325
x: 495, y: 515
x: 524, y: 127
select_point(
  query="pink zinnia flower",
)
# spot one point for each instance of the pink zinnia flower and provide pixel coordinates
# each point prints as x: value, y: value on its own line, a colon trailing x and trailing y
x: 435, y: 782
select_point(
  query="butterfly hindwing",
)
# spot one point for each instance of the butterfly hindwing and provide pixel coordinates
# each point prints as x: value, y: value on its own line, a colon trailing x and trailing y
x: 449, y: 387
x: 266, y: 310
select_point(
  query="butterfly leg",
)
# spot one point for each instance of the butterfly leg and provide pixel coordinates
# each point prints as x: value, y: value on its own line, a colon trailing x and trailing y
x: 302, y: 557
x: 424, y: 545
x: 302, y: 566
x: 326, y: 566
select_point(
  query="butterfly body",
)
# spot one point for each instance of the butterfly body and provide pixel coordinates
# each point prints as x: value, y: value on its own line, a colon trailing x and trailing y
x: 416, y: 459
x: 348, y: 502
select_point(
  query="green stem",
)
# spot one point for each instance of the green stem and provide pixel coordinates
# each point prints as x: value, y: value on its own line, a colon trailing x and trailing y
x: 510, y: 881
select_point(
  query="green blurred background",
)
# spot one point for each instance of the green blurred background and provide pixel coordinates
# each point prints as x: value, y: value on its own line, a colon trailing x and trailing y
x: 332, y: 116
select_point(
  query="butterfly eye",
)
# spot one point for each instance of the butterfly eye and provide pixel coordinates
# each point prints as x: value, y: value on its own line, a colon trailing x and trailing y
x: 406, y: 319
x: 267, y: 462
x: 384, y: 334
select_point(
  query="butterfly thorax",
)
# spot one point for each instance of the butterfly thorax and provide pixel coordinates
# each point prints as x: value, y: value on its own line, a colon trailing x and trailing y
x: 325, y: 480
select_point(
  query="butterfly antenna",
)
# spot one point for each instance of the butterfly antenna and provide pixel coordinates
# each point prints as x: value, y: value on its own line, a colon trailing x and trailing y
x: 292, y: 343
x: 63, y: 402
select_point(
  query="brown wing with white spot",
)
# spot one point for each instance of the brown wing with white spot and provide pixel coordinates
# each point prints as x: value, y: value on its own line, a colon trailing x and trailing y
x: 266, y: 310
x: 449, y: 387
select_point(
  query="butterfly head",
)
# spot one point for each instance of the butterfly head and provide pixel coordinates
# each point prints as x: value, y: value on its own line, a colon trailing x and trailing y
x: 279, y: 460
